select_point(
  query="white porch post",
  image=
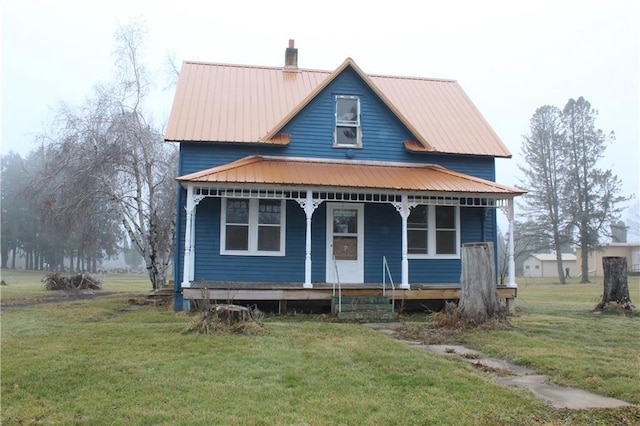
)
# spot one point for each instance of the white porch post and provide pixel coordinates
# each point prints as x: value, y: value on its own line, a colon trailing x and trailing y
x: 404, y: 208
x: 186, y: 262
x: 309, y: 206
x: 189, y: 238
x: 512, y: 264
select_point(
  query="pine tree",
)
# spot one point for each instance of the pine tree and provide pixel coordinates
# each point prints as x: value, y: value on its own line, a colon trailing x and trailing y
x: 544, y: 178
x: 592, y: 195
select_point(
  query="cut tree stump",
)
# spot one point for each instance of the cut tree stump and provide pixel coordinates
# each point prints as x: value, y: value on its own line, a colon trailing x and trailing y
x: 231, y: 313
x: 478, y: 297
x: 616, y: 288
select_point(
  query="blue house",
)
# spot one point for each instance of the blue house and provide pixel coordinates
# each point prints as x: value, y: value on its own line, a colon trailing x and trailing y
x: 293, y: 180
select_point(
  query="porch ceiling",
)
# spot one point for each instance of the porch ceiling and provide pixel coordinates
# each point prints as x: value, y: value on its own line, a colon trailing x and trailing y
x: 260, y: 170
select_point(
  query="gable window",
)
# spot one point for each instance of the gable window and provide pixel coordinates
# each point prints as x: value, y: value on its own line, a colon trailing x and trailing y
x: 433, y: 231
x: 347, y: 132
x: 252, y: 227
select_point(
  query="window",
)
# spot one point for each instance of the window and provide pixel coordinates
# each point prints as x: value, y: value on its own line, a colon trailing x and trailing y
x: 252, y: 227
x: 347, y: 133
x: 433, y: 231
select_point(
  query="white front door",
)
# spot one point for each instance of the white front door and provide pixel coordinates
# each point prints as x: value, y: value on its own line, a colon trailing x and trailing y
x: 345, y: 242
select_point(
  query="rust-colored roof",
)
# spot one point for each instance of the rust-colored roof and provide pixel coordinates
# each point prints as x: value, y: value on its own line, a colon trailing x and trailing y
x: 347, y: 174
x: 250, y: 104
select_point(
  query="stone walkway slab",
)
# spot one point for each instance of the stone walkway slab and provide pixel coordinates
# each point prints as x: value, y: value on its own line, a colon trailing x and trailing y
x: 562, y: 397
x: 513, y: 375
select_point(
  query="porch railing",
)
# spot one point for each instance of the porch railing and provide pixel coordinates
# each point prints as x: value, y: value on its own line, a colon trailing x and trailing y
x: 336, y: 280
x: 387, y: 272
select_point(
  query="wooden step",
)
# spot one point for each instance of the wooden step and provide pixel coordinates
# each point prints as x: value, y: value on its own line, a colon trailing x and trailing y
x: 353, y: 307
x: 384, y: 315
x: 370, y: 308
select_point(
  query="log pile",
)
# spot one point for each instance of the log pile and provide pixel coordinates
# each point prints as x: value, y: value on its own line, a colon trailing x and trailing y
x: 56, y: 281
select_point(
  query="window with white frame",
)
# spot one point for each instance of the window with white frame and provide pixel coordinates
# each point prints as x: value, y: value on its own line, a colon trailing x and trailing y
x: 347, y: 133
x: 433, y: 231
x: 252, y: 227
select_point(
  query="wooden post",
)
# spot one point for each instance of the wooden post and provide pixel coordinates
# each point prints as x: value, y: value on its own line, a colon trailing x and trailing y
x: 478, y: 297
x: 616, y: 288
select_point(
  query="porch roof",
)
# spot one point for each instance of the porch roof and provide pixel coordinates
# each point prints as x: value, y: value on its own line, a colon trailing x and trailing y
x: 359, y: 175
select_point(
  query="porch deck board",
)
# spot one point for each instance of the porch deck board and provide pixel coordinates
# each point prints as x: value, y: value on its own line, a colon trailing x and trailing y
x: 217, y: 290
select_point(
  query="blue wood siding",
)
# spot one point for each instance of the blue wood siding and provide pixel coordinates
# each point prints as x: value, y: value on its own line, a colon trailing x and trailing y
x: 383, y: 237
x: 210, y: 265
x: 311, y: 133
x: 447, y: 271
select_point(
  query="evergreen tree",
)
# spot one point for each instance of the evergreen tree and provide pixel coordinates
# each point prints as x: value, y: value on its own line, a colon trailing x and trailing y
x: 592, y: 195
x: 544, y: 180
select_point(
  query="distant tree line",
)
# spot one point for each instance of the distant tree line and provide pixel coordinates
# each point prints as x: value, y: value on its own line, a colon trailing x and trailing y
x: 103, y: 177
x: 571, y: 201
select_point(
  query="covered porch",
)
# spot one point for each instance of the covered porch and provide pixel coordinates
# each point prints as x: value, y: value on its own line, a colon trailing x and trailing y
x: 314, y: 183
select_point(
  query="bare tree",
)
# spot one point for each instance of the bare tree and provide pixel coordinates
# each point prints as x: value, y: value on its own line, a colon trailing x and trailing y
x: 109, y: 164
x: 143, y: 191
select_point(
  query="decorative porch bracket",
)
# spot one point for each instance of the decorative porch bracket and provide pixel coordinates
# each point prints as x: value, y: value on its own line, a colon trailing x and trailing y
x: 404, y: 208
x: 190, y: 237
x: 309, y: 205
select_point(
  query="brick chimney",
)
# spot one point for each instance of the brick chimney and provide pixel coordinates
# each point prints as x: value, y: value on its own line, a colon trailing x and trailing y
x: 291, y: 56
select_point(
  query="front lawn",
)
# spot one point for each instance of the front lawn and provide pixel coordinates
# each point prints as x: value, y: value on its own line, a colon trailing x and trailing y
x: 107, y: 362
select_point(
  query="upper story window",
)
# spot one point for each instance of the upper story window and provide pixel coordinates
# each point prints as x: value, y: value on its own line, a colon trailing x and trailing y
x: 347, y: 133
x: 252, y: 227
x: 433, y: 231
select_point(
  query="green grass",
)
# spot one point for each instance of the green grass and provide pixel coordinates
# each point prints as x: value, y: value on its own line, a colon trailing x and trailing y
x: 26, y: 286
x: 101, y: 362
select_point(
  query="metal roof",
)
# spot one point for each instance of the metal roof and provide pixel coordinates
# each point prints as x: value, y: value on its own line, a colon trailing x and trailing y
x: 348, y: 174
x: 251, y: 104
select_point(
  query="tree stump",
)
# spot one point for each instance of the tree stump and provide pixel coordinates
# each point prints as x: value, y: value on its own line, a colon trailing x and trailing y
x: 616, y: 288
x: 478, y: 298
x: 231, y: 314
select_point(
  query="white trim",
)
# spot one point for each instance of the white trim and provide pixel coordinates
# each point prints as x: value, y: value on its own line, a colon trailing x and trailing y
x: 431, y: 236
x: 357, y: 125
x: 329, y: 272
x: 346, y: 194
x: 253, y: 230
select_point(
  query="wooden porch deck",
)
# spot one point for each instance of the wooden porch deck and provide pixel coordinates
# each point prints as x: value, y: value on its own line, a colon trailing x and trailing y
x: 321, y: 293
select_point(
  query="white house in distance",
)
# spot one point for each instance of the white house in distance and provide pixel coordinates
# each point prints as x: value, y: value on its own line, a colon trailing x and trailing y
x: 629, y: 250
x: 544, y: 265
